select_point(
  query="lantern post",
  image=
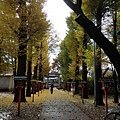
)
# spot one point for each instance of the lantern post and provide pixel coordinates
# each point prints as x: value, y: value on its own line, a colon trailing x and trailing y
x: 106, y: 87
x: 82, y: 84
x: 20, y: 84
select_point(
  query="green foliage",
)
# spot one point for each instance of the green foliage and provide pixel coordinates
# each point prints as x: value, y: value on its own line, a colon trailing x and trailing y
x: 74, y: 37
x: 64, y: 61
x: 71, y: 49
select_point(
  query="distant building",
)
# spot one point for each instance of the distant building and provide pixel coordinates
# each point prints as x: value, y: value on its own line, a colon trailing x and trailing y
x: 55, y: 79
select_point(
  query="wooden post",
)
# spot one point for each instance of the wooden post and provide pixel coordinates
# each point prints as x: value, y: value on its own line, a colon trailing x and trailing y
x: 19, y: 97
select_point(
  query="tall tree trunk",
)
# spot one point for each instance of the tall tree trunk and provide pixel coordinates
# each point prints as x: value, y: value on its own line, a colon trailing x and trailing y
x: 84, y: 66
x: 40, y: 72
x: 14, y: 69
x: 76, y: 78
x: 35, y: 71
x: 28, y: 91
x: 29, y: 71
x: 21, y: 72
x: 40, y: 64
x: 115, y: 87
x: 114, y: 71
x: 22, y: 48
x: 98, y: 71
x: 22, y: 61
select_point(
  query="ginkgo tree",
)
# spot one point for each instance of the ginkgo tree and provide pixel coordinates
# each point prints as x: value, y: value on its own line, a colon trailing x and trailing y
x: 26, y: 21
x: 7, y: 42
x: 71, y: 49
x: 64, y: 60
x: 95, y: 33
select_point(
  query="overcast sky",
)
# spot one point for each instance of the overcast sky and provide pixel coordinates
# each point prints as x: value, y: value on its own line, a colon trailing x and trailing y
x: 57, y: 12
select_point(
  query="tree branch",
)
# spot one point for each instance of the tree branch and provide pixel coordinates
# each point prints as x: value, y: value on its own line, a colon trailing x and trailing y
x: 95, y: 34
x: 75, y: 7
x: 100, y: 39
x: 79, y: 4
x: 71, y: 5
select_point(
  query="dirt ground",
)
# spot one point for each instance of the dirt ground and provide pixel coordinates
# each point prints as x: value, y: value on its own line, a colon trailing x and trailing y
x: 94, y: 112
x: 31, y: 110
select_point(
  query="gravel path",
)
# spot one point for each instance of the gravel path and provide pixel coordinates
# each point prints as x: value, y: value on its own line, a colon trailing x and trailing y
x: 58, y: 107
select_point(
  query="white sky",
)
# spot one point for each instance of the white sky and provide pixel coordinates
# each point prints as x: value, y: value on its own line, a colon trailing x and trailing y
x: 57, y: 12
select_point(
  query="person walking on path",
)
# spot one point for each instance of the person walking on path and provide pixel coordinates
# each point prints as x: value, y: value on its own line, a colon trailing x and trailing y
x: 51, y: 88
